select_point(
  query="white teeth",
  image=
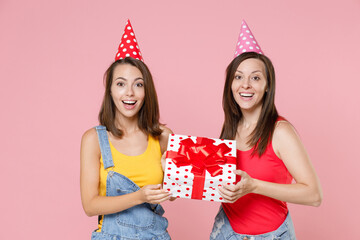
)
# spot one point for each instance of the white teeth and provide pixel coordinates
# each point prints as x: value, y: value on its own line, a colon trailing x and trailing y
x: 246, y: 94
x: 129, y: 102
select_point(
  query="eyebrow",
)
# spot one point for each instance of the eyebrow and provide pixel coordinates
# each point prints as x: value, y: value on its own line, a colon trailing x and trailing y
x: 121, y: 78
x: 251, y: 72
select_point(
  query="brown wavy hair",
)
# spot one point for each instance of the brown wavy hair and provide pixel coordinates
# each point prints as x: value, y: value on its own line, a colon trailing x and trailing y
x: 262, y: 134
x: 148, y: 116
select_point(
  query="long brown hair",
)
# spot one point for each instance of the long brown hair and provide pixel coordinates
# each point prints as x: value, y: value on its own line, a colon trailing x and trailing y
x: 148, y: 116
x: 265, y: 126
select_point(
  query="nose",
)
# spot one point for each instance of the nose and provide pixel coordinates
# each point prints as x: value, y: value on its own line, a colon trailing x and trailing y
x: 129, y: 91
x: 245, y: 83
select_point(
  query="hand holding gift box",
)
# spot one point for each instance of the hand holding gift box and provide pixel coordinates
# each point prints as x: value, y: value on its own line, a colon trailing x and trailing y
x: 196, y: 166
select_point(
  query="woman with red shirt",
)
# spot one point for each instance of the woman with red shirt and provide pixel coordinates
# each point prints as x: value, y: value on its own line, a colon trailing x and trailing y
x: 269, y: 155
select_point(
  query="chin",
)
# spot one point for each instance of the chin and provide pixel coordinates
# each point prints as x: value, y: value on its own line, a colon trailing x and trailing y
x: 246, y: 107
x: 129, y: 114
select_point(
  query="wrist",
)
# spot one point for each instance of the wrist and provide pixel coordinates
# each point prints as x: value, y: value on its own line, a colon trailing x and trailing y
x: 139, y: 197
x: 256, y: 186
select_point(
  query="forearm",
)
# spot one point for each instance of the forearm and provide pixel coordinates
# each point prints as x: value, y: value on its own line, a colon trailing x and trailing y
x: 297, y: 193
x: 102, y: 205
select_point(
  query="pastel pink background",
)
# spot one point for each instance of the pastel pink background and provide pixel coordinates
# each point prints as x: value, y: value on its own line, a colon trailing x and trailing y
x: 52, y: 58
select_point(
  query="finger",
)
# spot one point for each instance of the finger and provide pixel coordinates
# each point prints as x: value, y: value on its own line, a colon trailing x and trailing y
x: 245, y: 178
x: 238, y: 172
x: 153, y: 187
x: 150, y: 193
x: 161, y: 199
x: 231, y: 188
x: 165, y: 198
x: 158, y: 194
x: 223, y: 194
x: 233, y: 197
x: 226, y: 192
x: 229, y: 198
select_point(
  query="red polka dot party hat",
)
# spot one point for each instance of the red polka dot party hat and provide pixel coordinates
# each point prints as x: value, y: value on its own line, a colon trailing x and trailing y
x: 128, y: 46
x: 246, y: 41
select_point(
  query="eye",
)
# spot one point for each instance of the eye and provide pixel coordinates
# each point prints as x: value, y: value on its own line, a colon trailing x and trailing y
x: 120, y: 84
x: 256, y: 78
x: 237, y: 77
x: 139, y: 84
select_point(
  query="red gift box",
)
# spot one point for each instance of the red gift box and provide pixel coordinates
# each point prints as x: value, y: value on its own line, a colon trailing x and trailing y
x: 196, y: 166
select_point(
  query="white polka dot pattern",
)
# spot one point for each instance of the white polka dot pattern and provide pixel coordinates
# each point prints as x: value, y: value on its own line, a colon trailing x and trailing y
x: 244, y: 43
x: 126, y: 46
x: 179, y: 180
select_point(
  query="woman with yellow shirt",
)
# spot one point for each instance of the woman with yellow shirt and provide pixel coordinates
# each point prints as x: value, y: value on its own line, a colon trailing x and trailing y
x: 121, y: 171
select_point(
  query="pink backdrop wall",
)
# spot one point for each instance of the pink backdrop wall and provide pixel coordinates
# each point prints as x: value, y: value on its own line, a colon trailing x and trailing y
x: 52, y: 58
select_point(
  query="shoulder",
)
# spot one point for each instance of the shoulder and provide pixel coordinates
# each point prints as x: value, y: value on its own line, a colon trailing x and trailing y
x: 90, y: 138
x: 284, y: 137
x: 164, y: 137
x: 89, y: 135
x: 283, y: 127
x: 283, y: 131
x: 165, y: 130
x: 90, y: 147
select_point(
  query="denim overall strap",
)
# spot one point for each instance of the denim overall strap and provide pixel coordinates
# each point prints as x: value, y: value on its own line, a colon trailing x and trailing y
x: 104, y: 146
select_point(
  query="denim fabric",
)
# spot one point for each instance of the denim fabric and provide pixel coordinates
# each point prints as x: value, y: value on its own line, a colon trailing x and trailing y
x: 222, y: 230
x: 142, y: 221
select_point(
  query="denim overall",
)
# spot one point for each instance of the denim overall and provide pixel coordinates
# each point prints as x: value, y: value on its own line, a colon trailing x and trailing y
x: 222, y: 230
x: 143, y: 221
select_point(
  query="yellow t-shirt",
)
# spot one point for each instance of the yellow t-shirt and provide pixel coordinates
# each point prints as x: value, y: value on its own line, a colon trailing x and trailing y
x: 143, y: 169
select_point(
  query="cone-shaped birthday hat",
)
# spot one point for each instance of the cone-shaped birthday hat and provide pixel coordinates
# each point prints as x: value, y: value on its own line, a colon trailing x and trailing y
x: 247, y: 41
x: 128, y: 46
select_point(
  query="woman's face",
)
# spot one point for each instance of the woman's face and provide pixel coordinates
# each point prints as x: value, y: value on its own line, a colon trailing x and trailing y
x: 249, y: 84
x: 127, y: 90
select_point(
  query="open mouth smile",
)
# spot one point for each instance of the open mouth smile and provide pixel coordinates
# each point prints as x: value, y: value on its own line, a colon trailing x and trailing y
x: 129, y: 104
x: 246, y: 95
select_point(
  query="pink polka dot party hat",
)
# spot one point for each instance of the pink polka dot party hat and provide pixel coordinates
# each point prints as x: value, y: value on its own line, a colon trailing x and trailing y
x: 246, y: 41
x: 128, y: 46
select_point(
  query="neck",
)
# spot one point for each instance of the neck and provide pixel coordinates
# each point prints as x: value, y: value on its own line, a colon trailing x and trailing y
x: 250, y: 117
x: 127, y: 125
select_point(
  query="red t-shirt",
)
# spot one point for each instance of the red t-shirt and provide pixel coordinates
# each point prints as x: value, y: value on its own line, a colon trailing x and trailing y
x: 255, y: 214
